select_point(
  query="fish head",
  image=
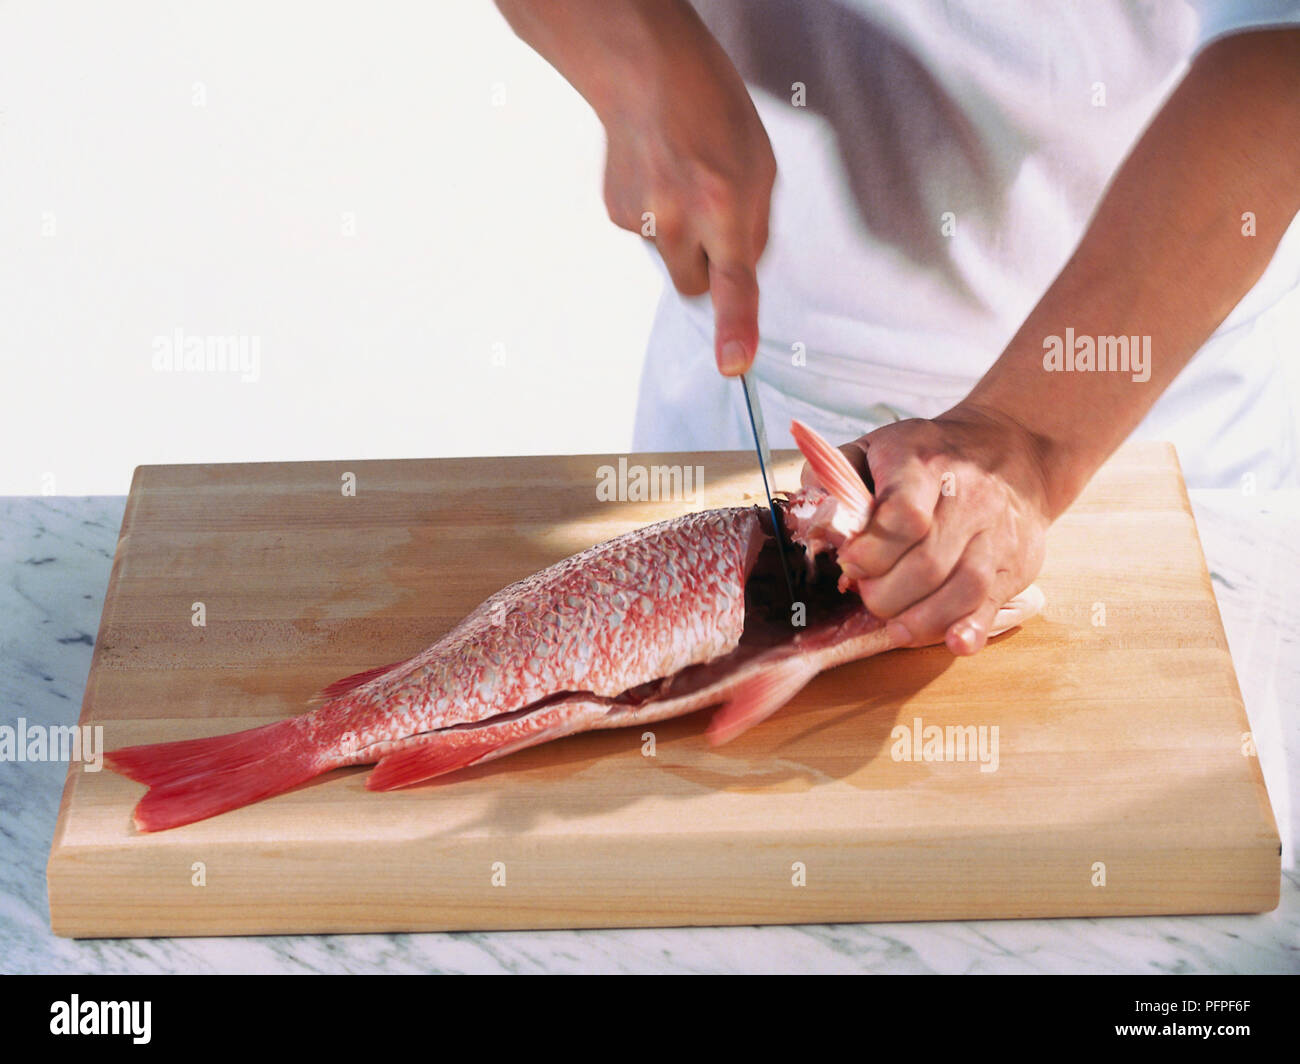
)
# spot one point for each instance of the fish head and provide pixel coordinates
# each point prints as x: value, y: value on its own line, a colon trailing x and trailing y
x: 824, y: 516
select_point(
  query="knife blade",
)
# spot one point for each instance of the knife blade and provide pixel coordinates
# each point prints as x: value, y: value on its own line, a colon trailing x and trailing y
x: 764, y: 464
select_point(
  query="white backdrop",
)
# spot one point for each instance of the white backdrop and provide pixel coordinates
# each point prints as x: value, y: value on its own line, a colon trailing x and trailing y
x: 396, y: 206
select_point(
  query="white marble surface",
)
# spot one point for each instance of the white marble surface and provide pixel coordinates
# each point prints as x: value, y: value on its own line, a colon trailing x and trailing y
x: 55, y: 555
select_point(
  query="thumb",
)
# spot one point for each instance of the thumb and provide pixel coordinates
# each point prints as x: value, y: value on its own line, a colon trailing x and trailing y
x: 734, y: 289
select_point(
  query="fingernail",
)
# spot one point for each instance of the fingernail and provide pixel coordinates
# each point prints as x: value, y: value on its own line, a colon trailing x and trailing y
x: 898, y: 633
x: 732, y: 358
x: 965, y: 637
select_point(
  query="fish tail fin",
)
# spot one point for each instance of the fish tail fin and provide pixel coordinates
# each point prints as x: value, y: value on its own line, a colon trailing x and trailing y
x: 197, y: 778
x: 835, y: 472
x: 757, y: 698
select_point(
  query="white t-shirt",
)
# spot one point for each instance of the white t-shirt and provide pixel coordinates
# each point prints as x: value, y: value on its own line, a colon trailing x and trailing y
x: 938, y: 162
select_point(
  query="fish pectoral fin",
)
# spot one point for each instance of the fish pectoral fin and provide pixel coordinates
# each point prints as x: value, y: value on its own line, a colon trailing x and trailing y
x: 757, y: 698
x: 835, y: 472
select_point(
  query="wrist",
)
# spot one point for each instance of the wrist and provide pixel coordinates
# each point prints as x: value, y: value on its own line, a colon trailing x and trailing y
x: 1049, y: 472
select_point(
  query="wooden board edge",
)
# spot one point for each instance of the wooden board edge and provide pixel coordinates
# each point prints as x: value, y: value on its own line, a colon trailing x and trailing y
x: 57, y: 839
x: 1267, y: 815
x: 281, y: 891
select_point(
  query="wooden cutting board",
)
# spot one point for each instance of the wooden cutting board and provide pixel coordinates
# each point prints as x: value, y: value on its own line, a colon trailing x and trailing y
x: 1124, y: 782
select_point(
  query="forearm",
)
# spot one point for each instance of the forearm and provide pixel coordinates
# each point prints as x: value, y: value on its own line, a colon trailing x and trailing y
x: 1164, y: 257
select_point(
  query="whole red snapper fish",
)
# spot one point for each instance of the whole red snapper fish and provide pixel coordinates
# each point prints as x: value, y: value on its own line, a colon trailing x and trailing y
x: 671, y: 618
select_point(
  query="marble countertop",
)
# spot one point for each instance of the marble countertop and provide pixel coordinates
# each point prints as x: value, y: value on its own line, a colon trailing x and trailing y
x: 55, y: 555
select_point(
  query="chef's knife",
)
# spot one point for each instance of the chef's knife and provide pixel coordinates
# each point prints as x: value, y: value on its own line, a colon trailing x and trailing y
x: 764, y: 464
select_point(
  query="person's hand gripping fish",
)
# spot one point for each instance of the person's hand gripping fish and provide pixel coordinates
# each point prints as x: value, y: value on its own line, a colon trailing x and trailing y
x: 954, y: 527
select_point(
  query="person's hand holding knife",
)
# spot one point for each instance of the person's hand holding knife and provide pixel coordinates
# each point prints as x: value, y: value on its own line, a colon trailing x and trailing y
x: 688, y: 163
